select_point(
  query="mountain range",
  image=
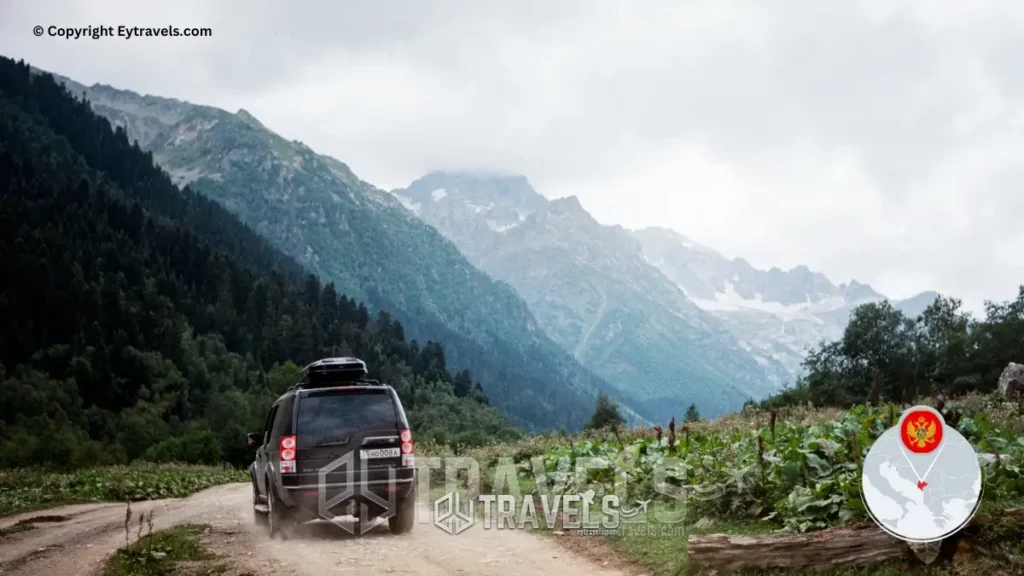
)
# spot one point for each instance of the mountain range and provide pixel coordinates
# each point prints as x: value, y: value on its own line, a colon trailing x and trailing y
x: 646, y: 304
x: 591, y: 290
x: 776, y: 315
x: 543, y: 304
x: 314, y: 209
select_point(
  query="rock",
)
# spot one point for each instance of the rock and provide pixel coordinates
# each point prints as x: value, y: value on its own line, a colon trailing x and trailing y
x: 703, y: 524
x: 1011, y: 381
x: 925, y: 552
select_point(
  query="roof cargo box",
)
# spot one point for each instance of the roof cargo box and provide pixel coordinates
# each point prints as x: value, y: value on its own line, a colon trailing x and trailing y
x: 333, y: 372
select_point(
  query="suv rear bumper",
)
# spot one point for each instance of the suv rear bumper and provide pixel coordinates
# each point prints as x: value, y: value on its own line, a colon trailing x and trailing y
x: 309, y: 501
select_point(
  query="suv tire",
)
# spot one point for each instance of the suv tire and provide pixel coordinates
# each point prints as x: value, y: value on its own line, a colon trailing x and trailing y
x: 258, y: 518
x: 404, y: 518
x: 276, y: 517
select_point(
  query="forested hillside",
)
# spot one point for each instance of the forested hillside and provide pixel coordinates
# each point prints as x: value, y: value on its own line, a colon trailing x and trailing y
x: 142, y: 321
x: 944, y: 346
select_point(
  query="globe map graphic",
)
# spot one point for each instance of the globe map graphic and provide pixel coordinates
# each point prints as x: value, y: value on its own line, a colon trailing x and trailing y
x: 921, y: 497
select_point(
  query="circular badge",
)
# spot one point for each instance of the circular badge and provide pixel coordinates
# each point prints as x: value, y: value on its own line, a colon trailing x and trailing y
x: 922, y: 431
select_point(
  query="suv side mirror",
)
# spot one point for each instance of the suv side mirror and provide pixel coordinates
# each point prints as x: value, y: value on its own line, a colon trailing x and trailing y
x: 252, y: 439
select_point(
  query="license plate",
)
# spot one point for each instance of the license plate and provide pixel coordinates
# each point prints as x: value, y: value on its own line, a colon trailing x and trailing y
x: 379, y: 453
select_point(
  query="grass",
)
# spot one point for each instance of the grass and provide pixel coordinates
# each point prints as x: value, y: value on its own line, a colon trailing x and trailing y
x: 167, y: 552
x: 23, y: 490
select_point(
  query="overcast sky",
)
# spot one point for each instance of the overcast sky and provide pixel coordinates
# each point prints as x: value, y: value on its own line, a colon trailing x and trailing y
x: 878, y: 140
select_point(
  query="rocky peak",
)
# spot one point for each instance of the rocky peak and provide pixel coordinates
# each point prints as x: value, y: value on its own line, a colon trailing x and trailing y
x: 477, y: 187
x: 248, y: 118
x: 569, y: 205
x: 801, y: 271
x: 858, y: 292
x: 742, y: 265
x: 569, y: 213
x: 915, y: 305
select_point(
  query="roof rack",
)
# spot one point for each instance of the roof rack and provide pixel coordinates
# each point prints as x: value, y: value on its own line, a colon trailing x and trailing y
x: 360, y: 382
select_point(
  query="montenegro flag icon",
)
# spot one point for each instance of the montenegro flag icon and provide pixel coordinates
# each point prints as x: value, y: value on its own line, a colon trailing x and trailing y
x: 922, y: 431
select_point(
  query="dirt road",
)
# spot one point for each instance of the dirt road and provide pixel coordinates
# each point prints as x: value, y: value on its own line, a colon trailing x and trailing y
x: 76, y: 540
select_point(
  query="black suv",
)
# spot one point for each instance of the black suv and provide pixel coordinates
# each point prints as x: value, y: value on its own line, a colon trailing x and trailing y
x: 334, y: 444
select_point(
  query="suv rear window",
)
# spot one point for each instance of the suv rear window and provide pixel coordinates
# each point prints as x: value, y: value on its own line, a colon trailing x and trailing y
x: 332, y: 416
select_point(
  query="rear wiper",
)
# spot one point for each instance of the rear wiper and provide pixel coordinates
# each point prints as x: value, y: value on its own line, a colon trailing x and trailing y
x: 329, y: 444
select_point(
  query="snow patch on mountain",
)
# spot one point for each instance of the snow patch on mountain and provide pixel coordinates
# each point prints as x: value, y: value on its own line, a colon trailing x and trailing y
x: 500, y: 227
x: 730, y: 300
x: 775, y: 315
x: 438, y: 194
x: 476, y: 208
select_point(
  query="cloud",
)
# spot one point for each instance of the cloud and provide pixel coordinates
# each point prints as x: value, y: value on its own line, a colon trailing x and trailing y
x: 879, y: 140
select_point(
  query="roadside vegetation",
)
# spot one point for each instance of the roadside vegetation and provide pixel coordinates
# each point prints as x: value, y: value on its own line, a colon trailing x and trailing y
x: 748, y: 473
x: 176, y: 550
x: 23, y: 490
x: 798, y: 470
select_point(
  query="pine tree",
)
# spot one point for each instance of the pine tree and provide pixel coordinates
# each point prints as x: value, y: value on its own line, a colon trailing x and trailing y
x: 606, y: 414
x: 692, y: 414
x: 463, y: 383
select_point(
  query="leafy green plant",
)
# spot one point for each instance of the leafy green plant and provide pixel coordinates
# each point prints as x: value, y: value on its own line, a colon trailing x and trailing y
x: 25, y: 489
x: 799, y: 475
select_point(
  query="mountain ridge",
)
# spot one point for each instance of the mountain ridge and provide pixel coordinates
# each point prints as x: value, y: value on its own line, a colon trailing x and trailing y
x: 317, y: 211
x: 775, y: 315
x: 144, y: 321
x: 591, y: 290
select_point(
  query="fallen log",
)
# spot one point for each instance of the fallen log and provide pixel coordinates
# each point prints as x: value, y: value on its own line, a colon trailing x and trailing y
x: 844, y: 546
x: 858, y: 545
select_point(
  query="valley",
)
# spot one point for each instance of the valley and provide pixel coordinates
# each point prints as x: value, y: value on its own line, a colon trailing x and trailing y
x: 315, y: 210
x: 149, y: 327
x: 647, y: 305
x: 542, y: 303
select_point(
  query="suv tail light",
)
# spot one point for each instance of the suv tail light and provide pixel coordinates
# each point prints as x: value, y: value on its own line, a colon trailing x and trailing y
x: 287, y: 454
x: 408, y: 448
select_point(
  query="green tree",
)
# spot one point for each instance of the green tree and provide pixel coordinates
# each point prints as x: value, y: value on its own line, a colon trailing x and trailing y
x: 945, y: 346
x: 692, y: 414
x: 606, y: 414
x: 463, y: 383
